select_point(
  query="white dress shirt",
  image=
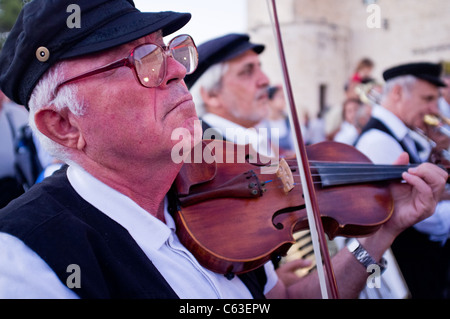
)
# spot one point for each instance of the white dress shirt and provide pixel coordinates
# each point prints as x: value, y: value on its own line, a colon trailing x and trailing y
x: 258, y: 138
x: 23, y: 274
x: 379, y: 146
x: 347, y: 134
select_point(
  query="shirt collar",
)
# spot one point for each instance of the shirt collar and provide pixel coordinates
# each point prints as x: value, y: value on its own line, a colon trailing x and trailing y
x: 148, y: 231
x: 230, y: 130
x: 393, y: 123
x: 237, y: 134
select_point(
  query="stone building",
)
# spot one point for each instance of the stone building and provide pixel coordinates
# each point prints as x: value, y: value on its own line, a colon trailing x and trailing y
x: 325, y: 39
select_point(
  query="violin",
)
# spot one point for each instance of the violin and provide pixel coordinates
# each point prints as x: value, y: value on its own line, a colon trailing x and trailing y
x: 234, y: 215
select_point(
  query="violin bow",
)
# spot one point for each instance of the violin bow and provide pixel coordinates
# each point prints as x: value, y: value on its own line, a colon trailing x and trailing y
x: 312, y: 208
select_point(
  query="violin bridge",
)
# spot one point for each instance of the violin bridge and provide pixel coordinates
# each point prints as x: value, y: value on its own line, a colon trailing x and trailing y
x: 285, y: 174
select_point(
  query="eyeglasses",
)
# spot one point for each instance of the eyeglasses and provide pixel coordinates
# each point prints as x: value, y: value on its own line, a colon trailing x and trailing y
x: 149, y: 61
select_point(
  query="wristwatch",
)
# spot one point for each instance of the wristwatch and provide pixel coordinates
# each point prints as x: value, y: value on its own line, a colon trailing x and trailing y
x: 363, y: 256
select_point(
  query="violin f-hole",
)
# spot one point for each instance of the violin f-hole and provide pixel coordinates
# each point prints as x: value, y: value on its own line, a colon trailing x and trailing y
x: 279, y: 225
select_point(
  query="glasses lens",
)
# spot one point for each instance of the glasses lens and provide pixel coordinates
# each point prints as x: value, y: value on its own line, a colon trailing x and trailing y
x: 150, y: 60
x: 184, y: 51
x: 150, y: 64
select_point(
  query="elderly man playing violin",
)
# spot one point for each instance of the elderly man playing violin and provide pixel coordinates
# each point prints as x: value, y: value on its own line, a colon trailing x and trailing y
x: 105, y: 98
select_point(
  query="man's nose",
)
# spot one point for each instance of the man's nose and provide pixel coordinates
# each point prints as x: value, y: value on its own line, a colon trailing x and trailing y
x: 263, y: 79
x: 175, y: 72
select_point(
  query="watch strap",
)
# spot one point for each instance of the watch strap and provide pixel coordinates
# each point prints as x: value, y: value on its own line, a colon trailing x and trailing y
x: 363, y: 256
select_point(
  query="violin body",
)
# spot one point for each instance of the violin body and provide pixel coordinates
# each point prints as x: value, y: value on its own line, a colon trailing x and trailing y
x: 233, y: 218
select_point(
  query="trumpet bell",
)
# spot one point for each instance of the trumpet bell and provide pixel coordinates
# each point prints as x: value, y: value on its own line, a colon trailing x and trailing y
x: 431, y: 120
x: 439, y: 122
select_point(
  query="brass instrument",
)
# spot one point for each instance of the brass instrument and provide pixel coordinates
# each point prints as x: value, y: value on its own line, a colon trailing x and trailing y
x: 441, y: 123
x: 440, y: 140
x: 368, y: 93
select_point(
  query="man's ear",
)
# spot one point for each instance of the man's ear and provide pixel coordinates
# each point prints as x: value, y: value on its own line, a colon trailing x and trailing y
x: 210, y: 99
x: 397, y: 92
x: 61, y: 127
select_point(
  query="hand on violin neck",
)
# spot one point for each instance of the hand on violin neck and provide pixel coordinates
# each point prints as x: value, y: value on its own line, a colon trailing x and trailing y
x: 416, y: 199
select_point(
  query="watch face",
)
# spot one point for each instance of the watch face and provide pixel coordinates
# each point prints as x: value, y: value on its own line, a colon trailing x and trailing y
x: 352, y: 245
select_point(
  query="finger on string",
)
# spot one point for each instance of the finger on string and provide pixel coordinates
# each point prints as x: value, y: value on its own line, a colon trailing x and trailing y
x: 418, y: 183
x: 433, y: 176
x: 430, y: 172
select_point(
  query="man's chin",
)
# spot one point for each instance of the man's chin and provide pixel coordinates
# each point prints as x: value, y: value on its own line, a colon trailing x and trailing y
x: 185, y: 138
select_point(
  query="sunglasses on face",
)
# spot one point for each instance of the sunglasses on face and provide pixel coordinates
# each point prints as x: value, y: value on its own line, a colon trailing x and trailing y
x: 149, y: 61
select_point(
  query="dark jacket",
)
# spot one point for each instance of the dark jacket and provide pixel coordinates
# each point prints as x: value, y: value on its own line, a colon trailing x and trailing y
x: 63, y: 229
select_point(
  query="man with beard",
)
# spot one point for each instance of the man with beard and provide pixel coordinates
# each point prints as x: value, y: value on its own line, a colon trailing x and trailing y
x: 230, y: 91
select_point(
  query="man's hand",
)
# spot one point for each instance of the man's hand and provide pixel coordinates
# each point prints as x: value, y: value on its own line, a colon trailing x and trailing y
x: 416, y: 199
x: 286, y: 271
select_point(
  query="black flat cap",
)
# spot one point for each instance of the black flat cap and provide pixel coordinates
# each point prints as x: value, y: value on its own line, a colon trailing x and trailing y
x: 429, y: 72
x: 42, y: 36
x: 219, y: 50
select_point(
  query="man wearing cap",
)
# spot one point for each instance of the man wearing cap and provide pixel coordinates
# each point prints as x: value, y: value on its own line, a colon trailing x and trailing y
x: 105, y: 98
x: 411, y: 91
x: 230, y: 91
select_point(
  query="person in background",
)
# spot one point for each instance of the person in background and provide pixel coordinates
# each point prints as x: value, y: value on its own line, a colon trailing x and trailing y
x: 278, y: 118
x: 315, y: 129
x: 230, y: 91
x: 444, y: 99
x: 12, y: 118
x: 348, y: 132
x: 362, y: 72
x: 410, y: 92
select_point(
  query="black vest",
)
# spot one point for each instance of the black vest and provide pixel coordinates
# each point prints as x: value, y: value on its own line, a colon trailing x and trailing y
x: 213, y: 134
x: 378, y: 125
x: 63, y: 229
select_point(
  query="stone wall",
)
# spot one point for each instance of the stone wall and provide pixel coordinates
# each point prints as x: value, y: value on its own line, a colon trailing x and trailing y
x: 324, y: 40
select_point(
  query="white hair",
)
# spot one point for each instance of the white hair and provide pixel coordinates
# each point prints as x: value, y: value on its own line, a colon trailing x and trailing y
x: 210, y: 81
x: 406, y: 82
x: 43, y: 98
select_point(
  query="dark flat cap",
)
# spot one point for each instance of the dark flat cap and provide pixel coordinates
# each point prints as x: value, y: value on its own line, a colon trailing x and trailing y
x: 429, y: 72
x: 42, y: 36
x: 219, y: 50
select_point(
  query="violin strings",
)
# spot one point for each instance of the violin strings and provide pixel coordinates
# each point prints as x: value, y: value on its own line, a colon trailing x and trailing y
x: 314, y: 182
x: 318, y: 181
x: 374, y: 167
x: 350, y: 174
x: 322, y: 164
x: 372, y: 170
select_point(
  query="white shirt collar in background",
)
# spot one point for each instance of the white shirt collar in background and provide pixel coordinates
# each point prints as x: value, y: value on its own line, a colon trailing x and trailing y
x: 232, y: 132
